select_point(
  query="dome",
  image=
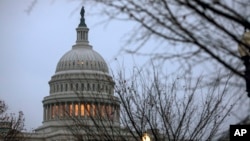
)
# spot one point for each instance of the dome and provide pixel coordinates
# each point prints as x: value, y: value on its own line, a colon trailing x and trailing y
x: 82, y: 58
x: 81, y: 88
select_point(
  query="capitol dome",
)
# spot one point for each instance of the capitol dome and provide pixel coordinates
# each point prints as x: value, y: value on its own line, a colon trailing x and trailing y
x: 80, y: 90
x: 82, y: 58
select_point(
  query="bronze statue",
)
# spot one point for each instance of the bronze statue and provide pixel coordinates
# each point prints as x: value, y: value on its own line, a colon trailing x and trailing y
x: 82, y: 20
x: 82, y: 12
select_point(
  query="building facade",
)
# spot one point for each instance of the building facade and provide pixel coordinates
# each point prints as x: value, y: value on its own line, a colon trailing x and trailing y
x: 81, y: 104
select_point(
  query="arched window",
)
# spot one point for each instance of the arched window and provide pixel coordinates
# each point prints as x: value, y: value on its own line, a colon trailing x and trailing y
x: 61, y: 87
x: 66, y: 87
x: 76, y: 86
x: 98, y: 87
x: 88, y: 87
x: 71, y: 86
x: 93, y: 87
x: 82, y: 86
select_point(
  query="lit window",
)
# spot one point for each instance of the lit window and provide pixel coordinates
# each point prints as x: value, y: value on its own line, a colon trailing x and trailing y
x: 61, y: 110
x: 52, y: 111
x: 102, y: 110
x: 88, y: 110
x: 108, y: 111
x: 76, y: 109
x: 93, y: 110
x: 56, y: 110
x: 70, y: 109
x: 82, y: 109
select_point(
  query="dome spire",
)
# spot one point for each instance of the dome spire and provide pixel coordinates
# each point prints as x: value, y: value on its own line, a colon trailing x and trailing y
x: 82, y: 21
x: 82, y: 30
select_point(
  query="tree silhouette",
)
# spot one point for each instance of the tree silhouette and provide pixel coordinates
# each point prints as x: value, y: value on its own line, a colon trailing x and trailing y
x: 190, y: 33
x: 11, y: 126
x: 178, y: 110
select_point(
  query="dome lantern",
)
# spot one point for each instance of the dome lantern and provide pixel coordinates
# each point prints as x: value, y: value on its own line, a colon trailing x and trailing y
x: 82, y: 29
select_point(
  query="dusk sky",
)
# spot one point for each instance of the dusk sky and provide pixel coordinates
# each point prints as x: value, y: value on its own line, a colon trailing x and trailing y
x: 32, y: 40
x: 34, y: 36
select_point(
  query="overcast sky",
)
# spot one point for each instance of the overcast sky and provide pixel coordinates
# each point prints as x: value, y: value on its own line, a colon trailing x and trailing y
x: 32, y: 40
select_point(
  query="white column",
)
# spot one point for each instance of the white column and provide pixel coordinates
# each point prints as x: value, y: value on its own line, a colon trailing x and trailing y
x: 44, y: 112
